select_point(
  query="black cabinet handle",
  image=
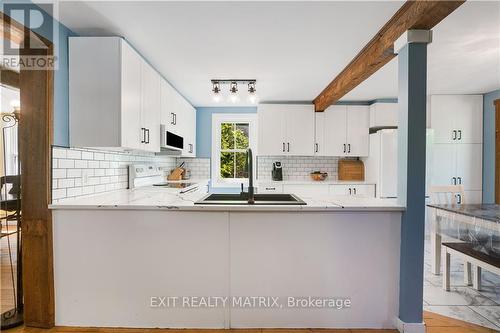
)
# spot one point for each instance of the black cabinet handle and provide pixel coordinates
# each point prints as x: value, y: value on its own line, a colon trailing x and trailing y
x: 147, y: 132
x: 459, y: 199
x: 288, y: 150
x: 317, y: 147
x: 143, y: 134
x: 190, y: 147
x: 459, y: 134
x: 454, y: 180
x: 349, y: 148
x: 344, y: 148
x: 283, y: 146
x: 354, y: 190
x: 175, y: 118
x: 459, y: 180
x: 350, y: 191
x: 454, y: 135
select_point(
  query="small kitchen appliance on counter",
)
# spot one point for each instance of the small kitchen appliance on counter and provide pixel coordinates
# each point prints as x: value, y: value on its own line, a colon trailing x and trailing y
x: 141, y: 175
x: 351, y: 170
x: 277, y: 173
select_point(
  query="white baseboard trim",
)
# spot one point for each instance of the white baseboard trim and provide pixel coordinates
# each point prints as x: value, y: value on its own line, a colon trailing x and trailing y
x: 409, y: 327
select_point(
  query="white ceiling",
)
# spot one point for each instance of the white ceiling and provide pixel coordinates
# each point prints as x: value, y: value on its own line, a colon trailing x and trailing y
x: 293, y: 49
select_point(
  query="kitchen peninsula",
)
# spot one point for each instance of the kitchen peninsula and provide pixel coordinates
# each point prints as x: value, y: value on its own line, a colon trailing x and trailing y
x: 129, y: 248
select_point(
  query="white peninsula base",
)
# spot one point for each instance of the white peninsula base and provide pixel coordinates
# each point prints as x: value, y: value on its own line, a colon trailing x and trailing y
x: 110, y: 262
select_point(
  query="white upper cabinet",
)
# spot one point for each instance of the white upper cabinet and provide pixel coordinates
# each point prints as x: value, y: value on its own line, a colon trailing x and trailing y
x: 114, y: 98
x: 179, y: 117
x: 383, y: 114
x: 342, y: 131
x: 457, y: 118
x: 286, y: 129
x: 151, y: 107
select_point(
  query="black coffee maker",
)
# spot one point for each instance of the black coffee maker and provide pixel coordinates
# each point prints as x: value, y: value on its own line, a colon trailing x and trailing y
x: 277, y: 173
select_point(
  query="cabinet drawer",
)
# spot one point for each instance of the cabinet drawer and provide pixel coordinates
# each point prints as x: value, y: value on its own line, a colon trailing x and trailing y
x: 353, y: 189
x: 270, y: 188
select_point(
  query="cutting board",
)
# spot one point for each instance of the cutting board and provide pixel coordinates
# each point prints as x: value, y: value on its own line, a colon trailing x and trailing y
x: 351, y: 170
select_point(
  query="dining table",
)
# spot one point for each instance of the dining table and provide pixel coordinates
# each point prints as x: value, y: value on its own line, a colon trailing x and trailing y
x: 476, y: 224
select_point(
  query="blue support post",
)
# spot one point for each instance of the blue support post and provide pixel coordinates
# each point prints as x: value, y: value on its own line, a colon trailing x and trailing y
x: 412, y: 62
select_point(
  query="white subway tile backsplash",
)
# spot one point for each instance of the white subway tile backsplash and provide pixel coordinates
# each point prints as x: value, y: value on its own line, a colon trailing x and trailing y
x: 297, y: 167
x: 199, y: 167
x: 78, y: 172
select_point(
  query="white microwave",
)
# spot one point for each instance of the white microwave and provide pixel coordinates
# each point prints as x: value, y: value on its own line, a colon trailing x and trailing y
x: 170, y: 140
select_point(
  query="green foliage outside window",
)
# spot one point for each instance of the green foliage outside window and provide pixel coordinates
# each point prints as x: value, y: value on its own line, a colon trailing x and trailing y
x: 234, y: 143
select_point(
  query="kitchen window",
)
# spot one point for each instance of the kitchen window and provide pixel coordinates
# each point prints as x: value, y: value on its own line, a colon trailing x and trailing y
x: 232, y: 135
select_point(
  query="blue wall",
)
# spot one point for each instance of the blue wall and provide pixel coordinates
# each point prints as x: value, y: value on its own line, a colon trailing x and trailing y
x: 61, y: 91
x: 489, y: 146
x: 204, y: 126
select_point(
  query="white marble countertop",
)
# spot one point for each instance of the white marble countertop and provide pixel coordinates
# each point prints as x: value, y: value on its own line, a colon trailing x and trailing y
x: 158, y: 198
x: 313, y: 182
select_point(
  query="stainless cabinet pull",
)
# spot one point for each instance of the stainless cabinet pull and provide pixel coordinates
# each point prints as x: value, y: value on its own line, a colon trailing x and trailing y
x: 147, y: 140
x: 288, y: 150
x: 143, y: 134
x: 173, y: 116
x: 344, y: 148
x: 459, y: 134
x: 283, y: 146
x: 349, y: 148
x: 459, y: 180
x: 454, y: 180
x: 454, y: 135
x: 317, y: 147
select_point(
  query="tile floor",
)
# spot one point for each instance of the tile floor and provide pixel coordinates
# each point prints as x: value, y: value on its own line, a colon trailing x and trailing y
x: 464, y: 303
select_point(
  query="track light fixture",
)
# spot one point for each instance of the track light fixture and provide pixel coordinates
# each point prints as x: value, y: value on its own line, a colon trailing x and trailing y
x: 233, y: 90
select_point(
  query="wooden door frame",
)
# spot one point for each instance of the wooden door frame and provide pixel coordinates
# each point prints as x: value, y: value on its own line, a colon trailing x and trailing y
x: 35, y: 142
x: 496, y: 104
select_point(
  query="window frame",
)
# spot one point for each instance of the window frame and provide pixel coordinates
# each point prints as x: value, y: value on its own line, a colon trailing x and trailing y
x: 217, y: 120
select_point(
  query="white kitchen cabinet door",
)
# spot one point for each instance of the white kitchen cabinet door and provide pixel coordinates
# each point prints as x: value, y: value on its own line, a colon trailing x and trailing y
x: 442, y: 117
x: 364, y: 190
x: 383, y: 114
x: 358, y: 133
x: 168, y: 104
x: 469, y: 166
x: 319, y: 133
x: 473, y: 197
x: 132, y: 135
x: 335, y: 130
x: 299, y: 120
x: 468, y: 118
x: 457, y: 118
x: 444, y: 161
x: 271, y: 129
x: 151, y: 101
x: 189, y: 130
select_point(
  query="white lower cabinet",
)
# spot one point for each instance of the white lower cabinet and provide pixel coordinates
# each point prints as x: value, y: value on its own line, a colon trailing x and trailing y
x: 269, y: 188
x: 353, y: 189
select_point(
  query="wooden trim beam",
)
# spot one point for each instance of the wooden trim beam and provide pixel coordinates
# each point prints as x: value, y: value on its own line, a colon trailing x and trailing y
x: 497, y: 151
x: 9, y: 77
x: 380, y: 50
x: 35, y: 144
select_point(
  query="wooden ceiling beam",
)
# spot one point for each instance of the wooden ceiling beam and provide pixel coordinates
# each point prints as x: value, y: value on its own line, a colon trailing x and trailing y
x: 380, y: 50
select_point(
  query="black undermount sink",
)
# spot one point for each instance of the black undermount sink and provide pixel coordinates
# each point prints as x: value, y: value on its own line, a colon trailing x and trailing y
x: 242, y: 199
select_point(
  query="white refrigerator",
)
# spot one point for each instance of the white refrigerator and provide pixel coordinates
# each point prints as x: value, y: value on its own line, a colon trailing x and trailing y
x: 381, y: 167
